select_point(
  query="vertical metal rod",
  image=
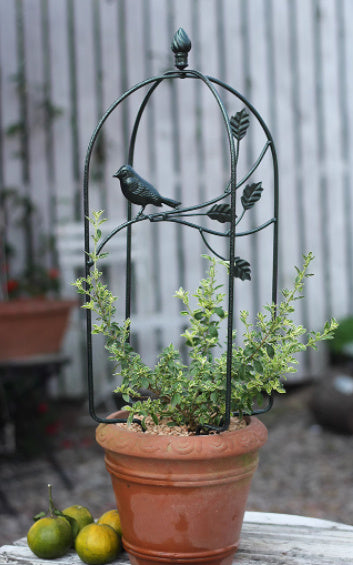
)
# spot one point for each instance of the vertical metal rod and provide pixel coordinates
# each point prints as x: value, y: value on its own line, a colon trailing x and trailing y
x: 86, y: 208
x: 176, y: 157
x: 198, y: 109
x: 122, y: 26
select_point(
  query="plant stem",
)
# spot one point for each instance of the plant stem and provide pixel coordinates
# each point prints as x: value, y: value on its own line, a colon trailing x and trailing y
x: 52, y: 508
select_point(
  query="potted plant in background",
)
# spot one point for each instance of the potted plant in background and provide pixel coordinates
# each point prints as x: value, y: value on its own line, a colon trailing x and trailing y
x: 180, y: 488
x: 33, y: 317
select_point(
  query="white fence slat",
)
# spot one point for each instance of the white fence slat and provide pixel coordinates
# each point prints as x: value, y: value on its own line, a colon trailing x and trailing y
x: 10, y: 103
x: 60, y: 77
x: 335, y: 194
x: 35, y: 108
x: 309, y: 173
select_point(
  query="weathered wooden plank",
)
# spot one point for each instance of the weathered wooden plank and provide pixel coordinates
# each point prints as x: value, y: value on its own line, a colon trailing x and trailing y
x: 269, y: 539
x: 22, y: 555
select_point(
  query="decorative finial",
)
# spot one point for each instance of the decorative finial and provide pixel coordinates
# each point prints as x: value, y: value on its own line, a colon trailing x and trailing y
x: 181, y: 46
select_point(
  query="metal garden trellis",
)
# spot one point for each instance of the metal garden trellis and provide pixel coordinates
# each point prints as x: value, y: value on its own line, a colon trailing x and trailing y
x: 221, y: 209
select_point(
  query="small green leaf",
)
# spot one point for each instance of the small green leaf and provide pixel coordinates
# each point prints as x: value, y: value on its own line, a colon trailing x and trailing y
x: 214, y: 396
x: 39, y: 516
x: 258, y: 366
x: 213, y: 331
x: 244, y: 372
x: 198, y: 315
x: 175, y: 400
x: 270, y: 350
x: 219, y: 311
x: 145, y: 382
x: 58, y: 513
x: 259, y: 399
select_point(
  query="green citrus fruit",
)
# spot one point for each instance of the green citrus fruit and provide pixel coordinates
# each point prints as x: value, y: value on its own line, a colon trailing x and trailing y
x: 97, y: 544
x: 81, y: 517
x: 49, y: 537
x: 111, y: 518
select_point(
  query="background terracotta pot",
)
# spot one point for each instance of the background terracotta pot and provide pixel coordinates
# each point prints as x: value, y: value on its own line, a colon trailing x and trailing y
x: 32, y: 326
x: 181, y: 499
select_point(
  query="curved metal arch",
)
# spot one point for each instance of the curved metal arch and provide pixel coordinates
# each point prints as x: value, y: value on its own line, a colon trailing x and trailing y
x: 156, y: 81
x: 270, y: 144
x: 209, y: 82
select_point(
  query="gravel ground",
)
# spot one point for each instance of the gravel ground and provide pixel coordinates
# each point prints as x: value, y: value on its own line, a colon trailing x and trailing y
x: 304, y: 469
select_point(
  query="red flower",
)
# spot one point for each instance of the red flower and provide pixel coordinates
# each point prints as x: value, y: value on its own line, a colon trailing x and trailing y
x: 52, y: 429
x: 12, y: 285
x: 53, y: 273
x: 42, y: 408
x: 67, y: 444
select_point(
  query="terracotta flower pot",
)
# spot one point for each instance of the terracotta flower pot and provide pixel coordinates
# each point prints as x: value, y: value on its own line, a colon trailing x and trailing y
x: 32, y: 326
x: 181, y: 499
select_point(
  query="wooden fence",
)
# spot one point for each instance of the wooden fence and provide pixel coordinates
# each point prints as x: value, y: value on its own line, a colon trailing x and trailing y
x: 63, y: 62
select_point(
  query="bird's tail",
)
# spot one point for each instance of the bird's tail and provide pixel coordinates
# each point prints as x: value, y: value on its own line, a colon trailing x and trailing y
x: 171, y: 202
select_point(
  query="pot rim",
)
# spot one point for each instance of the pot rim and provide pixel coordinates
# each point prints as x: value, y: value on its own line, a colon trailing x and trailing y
x: 226, y: 444
x: 29, y: 306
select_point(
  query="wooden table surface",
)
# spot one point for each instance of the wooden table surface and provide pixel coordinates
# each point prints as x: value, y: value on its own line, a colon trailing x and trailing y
x: 267, y: 539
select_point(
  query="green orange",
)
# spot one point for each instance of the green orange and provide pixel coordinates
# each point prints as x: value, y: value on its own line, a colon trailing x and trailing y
x: 80, y: 517
x: 112, y: 518
x: 97, y: 544
x: 50, y: 537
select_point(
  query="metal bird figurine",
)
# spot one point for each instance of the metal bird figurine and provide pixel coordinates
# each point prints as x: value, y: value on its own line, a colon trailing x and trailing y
x: 138, y: 191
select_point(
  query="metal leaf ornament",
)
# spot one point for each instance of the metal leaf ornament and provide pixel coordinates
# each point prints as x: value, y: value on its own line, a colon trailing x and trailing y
x: 239, y: 124
x: 242, y: 269
x: 251, y: 195
x: 220, y: 212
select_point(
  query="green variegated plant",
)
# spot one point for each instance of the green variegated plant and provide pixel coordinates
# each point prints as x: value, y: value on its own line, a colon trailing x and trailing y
x: 193, y: 394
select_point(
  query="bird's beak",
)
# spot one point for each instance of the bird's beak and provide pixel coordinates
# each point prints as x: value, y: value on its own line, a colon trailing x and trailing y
x: 116, y: 175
